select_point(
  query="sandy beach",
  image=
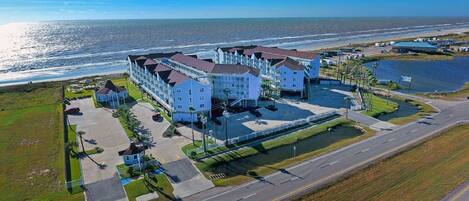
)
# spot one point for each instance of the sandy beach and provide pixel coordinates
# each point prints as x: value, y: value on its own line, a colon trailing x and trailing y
x: 51, y: 74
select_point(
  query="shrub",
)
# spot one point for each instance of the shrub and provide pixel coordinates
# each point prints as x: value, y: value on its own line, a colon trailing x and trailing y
x: 99, y: 149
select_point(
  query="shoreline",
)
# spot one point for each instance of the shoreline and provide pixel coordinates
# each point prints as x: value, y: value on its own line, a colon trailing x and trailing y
x: 46, y: 75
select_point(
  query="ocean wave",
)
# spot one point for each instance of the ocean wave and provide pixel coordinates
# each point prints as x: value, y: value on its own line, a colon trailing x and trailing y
x: 143, y: 50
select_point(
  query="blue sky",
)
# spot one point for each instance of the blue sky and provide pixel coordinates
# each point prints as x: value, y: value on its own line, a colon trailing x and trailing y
x: 36, y: 10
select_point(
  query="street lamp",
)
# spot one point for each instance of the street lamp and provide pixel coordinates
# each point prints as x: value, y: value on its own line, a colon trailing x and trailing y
x: 346, y: 99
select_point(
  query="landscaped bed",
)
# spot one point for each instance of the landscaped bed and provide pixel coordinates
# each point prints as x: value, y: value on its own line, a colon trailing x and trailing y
x: 258, y: 160
x: 32, y: 144
x: 426, y: 172
x: 399, y: 110
x: 158, y: 184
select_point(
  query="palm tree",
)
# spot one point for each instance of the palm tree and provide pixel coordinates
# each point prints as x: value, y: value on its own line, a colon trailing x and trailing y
x: 191, y: 110
x: 71, y: 147
x: 81, y: 133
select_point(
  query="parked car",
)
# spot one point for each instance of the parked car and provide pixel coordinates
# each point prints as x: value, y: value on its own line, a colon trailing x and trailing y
x: 73, y: 110
x: 157, y: 117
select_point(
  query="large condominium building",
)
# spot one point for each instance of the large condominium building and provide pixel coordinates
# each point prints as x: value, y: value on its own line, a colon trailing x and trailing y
x: 237, y: 83
x: 179, y: 82
x: 174, y: 90
x: 287, y: 68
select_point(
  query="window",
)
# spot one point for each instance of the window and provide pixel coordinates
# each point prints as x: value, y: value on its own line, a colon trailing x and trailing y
x: 135, y: 156
x: 201, y: 98
x: 179, y: 90
x: 202, y: 105
x: 294, y: 79
x: 179, y: 106
x: 179, y: 99
x: 201, y: 89
x: 294, y: 85
x: 190, y: 92
x: 294, y: 73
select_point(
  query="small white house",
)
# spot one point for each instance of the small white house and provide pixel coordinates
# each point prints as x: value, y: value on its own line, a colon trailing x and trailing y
x: 111, y: 94
x: 132, y: 155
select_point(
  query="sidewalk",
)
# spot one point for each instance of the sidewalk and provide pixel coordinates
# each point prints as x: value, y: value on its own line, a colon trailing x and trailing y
x: 373, y: 123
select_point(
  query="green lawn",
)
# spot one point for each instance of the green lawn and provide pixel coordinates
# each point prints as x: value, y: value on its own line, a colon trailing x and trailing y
x: 136, y: 95
x: 81, y: 94
x: 380, y: 106
x: 426, y: 172
x: 32, y: 145
x: 75, y: 168
x: 160, y: 185
x: 208, y: 166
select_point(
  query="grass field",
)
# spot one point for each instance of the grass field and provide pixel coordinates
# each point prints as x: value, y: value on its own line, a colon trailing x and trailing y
x: 81, y: 94
x: 380, y: 106
x: 460, y: 94
x: 209, y: 165
x: 32, y: 145
x: 426, y: 172
x: 138, y: 187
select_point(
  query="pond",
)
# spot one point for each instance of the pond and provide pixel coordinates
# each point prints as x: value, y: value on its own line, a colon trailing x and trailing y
x: 405, y: 109
x: 427, y: 76
x: 243, y: 165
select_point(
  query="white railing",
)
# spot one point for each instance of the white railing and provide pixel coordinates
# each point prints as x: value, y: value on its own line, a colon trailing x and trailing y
x: 282, y: 127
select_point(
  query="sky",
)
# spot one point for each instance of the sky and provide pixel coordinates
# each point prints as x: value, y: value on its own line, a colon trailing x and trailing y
x: 39, y: 10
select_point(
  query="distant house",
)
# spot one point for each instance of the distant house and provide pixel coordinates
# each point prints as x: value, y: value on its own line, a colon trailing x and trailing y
x: 405, y: 47
x: 111, y: 94
x: 133, y: 155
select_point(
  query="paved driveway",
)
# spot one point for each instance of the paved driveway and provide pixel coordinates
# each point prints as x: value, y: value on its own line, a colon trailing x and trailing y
x: 184, y: 177
x: 106, y: 132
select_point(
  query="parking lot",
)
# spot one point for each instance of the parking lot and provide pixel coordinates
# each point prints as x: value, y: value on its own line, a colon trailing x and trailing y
x: 322, y: 99
x: 101, y: 130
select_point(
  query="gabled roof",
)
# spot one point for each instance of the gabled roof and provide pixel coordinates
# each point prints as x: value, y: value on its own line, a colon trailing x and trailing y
x: 132, y: 149
x: 170, y: 76
x: 152, y: 56
x: 108, y: 87
x: 291, y: 64
x: 234, y: 69
x: 198, y: 64
x: 278, y: 52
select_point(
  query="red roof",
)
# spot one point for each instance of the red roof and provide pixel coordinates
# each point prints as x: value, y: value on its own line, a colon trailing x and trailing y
x: 201, y: 65
x: 291, y: 64
x: 270, y: 51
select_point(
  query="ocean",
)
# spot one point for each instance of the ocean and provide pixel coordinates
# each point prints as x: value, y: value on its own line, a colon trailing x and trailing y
x: 66, y: 49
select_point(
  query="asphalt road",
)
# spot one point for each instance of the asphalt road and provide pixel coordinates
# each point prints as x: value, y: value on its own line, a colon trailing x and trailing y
x: 313, y: 174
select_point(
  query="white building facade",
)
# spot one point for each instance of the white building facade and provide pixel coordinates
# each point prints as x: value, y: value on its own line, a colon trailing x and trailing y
x: 266, y: 58
x: 183, y: 97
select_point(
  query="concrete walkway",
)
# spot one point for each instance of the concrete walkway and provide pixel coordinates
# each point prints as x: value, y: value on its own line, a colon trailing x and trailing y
x: 373, y: 123
x: 185, y: 178
x: 102, y: 130
x: 461, y: 193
